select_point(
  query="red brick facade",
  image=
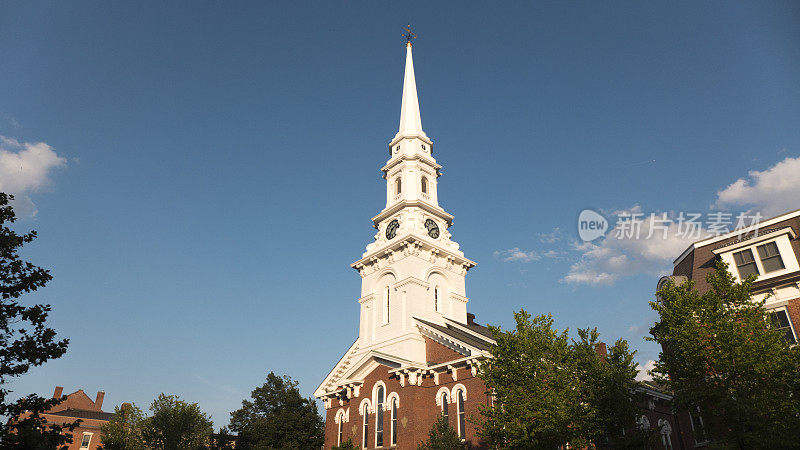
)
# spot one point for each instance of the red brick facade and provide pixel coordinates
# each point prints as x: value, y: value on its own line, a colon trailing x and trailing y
x: 417, y: 409
x: 76, y: 406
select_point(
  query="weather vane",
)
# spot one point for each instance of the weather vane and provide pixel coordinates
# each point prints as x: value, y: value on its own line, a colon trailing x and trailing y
x: 409, y: 35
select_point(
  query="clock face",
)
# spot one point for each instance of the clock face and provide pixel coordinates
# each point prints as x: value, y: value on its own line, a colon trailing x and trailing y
x: 391, y: 229
x: 433, y: 229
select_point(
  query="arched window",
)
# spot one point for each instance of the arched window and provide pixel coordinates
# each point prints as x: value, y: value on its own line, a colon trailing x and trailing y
x: 424, y: 185
x: 445, y: 402
x: 436, y: 298
x: 666, y: 434
x: 340, y: 419
x: 462, y: 431
x: 398, y: 185
x: 364, y: 438
x: 379, y: 418
x: 394, y: 421
x: 386, y: 312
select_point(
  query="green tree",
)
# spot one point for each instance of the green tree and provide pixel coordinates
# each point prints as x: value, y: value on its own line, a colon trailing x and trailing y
x: 346, y: 445
x: 25, y: 341
x: 551, y: 391
x: 442, y: 437
x: 124, y: 430
x: 720, y: 354
x: 176, y: 425
x: 278, y: 417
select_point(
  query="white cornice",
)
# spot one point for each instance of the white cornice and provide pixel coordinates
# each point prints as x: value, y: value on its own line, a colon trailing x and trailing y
x: 435, y: 210
x: 755, y: 240
x: 424, y: 245
x: 413, y: 157
x: 734, y: 233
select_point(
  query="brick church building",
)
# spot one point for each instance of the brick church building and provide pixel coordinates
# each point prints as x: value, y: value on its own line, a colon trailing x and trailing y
x: 417, y: 349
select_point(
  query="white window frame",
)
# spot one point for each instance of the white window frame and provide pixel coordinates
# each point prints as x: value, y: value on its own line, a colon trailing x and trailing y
x: 461, y: 413
x: 394, y: 405
x: 698, y: 443
x: 780, y: 237
x: 788, y: 317
x: 88, y: 444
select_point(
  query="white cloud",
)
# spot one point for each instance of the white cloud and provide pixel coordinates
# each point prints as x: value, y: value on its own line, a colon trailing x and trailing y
x: 771, y: 192
x: 25, y: 168
x: 617, y: 255
x: 551, y: 237
x: 644, y: 371
x: 517, y: 255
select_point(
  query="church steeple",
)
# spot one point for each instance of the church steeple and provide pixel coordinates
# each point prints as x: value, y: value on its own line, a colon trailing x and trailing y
x: 410, y: 121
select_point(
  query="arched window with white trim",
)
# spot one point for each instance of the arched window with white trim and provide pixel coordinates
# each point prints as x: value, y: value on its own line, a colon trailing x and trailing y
x: 365, y: 424
x: 394, y: 421
x: 666, y: 433
x: 424, y: 185
x: 398, y: 185
x: 340, y: 429
x: 445, y: 407
x: 379, y: 416
x: 462, y: 424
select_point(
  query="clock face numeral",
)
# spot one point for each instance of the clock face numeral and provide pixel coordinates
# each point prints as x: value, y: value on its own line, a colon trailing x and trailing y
x: 433, y: 229
x: 391, y: 229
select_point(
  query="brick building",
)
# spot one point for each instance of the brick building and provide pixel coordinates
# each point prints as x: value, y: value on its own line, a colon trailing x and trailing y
x: 769, y: 249
x: 78, y: 405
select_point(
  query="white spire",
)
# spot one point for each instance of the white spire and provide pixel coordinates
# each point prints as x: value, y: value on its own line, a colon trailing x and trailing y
x: 410, y: 122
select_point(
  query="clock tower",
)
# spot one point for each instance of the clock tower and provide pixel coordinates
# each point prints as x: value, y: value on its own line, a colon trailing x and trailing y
x: 413, y: 269
x: 417, y: 350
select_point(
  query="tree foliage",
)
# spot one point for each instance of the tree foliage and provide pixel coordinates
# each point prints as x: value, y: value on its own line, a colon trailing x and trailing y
x: 176, y: 425
x: 720, y: 354
x: 346, y: 445
x: 551, y: 391
x: 124, y: 430
x: 278, y: 417
x: 442, y: 436
x: 25, y: 341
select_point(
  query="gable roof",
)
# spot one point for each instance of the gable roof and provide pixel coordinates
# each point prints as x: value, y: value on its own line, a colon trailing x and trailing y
x: 455, y: 331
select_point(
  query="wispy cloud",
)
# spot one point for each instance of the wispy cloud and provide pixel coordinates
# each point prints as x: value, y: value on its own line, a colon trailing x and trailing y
x: 603, y: 262
x: 552, y: 237
x: 772, y: 191
x: 25, y: 167
x: 517, y: 255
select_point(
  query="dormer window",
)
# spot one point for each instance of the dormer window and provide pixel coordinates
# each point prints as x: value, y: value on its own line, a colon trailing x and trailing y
x: 770, y: 257
x: 745, y: 263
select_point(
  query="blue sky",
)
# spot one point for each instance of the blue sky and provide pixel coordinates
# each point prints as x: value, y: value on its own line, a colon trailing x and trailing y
x: 201, y: 174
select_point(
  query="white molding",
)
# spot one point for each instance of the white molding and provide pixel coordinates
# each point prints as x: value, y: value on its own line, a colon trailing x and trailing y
x: 443, y: 390
x: 736, y: 232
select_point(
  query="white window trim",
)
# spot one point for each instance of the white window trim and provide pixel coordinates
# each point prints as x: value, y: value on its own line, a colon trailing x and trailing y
x: 788, y: 317
x: 460, y: 409
x: 694, y: 433
x: 784, y: 248
x: 89, y: 444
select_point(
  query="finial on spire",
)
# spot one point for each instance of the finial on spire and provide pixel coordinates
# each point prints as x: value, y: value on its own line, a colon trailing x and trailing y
x: 409, y: 35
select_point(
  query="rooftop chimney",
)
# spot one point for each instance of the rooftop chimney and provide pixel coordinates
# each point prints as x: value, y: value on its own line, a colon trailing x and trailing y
x: 602, y: 350
x: 57, y: 393
x: 471, y: 319
x: 98, y: 402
